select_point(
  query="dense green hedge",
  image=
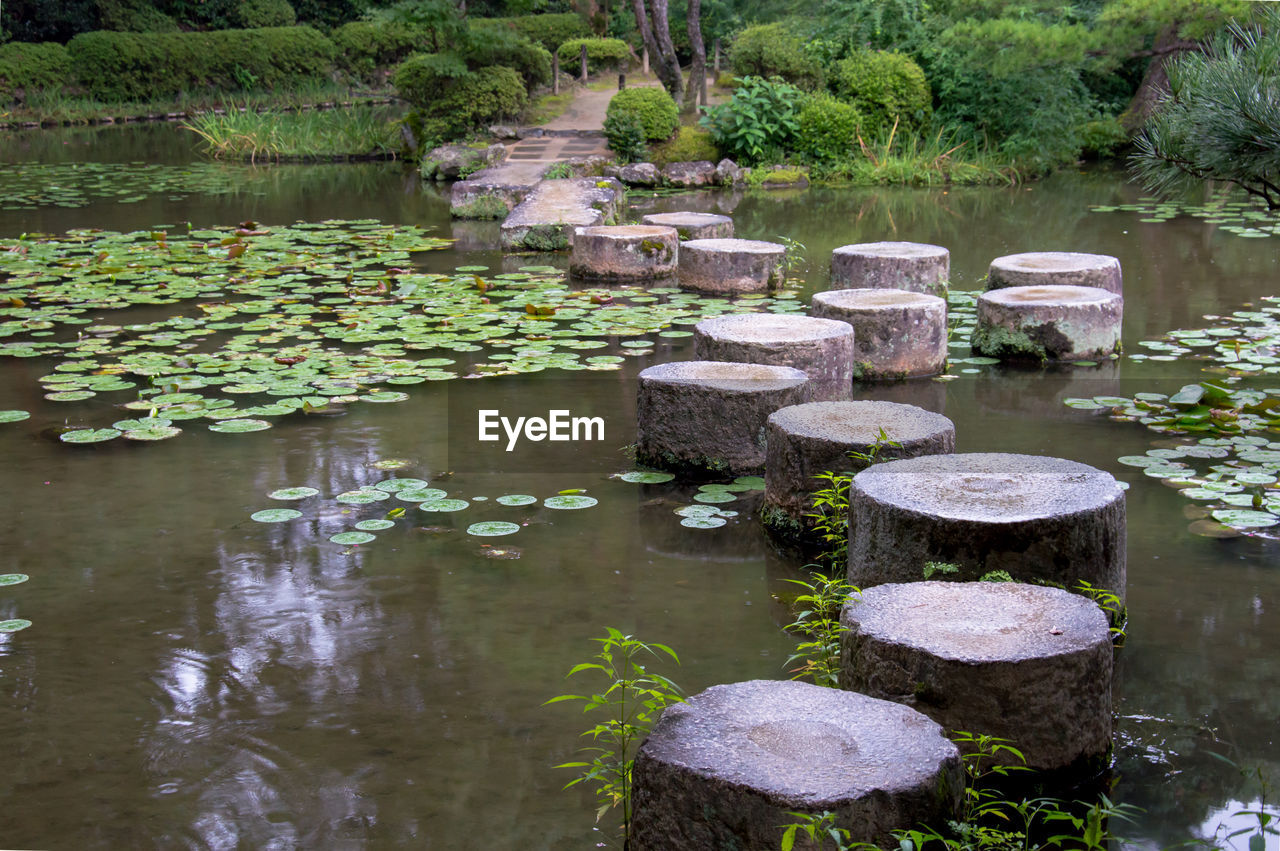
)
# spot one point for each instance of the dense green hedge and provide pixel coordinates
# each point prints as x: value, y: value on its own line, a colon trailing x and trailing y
x: 453, y: 100
x: 883, y: 86
x: 602, y: 53
x: 826, y: 129
x: 652, y: 106
x: 26, y: 68
x: 550, y: 31
x: 144, y: 66
x: 486, y: 49
x: 773, y: 50
x: 253, y: 14
x: 365, y: 46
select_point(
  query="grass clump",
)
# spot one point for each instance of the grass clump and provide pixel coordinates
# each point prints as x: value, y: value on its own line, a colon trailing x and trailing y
x: 254, y: 136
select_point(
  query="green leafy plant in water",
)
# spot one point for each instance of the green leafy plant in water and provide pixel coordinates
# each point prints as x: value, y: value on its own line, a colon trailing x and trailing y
x: 818, y: 828
x: 831, y: 503
x: 793, y: 257
x: 1265, y: 823
x: 939, y: 568
x: 633, y: 698
x: 1111, y: 604
x: 817, y: 623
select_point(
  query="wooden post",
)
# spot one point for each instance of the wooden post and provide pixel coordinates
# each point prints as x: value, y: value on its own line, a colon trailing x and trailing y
x: 582, y: 55
x: 622, y: 82
x: 555, y: 73
x: 644, y: 62
x: 715, y: 63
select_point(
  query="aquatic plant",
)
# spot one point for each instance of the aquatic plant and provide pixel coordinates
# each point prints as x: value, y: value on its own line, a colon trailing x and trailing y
x: 632, y: 698
x: 257, y: 136
x: 817, y: 622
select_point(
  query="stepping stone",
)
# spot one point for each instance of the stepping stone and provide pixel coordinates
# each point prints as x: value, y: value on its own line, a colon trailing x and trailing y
x: 546, y: 218
x: 727, y: 266
x: 821, y: 348
x: 1062, y: 268
x: 1023, y: 662
x: 805, y: 440
x: 913, y: 266
x: 896, y: 333
x: 727, y: 767
x: 706, y: 418
x: 1040, y: 519
x: 493, y: 193
x: 624, y: 252
x: 694, y: 225
x: 1049, y: 323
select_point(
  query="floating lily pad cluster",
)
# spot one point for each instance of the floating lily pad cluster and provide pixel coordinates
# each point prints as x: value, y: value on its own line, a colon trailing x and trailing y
x: 264, y: 323
x: 418, y: 493
x: 1227, y: 463
x: 13, y: 624
x: 962, y: 318
x: 705, y: 512
x: 1230, y: 212
x: 28, y: 186
x: 1246, y: 342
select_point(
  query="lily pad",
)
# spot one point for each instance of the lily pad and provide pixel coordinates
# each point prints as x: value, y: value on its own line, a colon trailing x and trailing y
x: 644, y: 477
x: 13, y: 416
x: 703, y: 522
x: 362, y: 496
x: 275, y: 515
x: 242, y: 426
x: 516, y: 499
x: 13, y: 579
x: 89, y: 435
x: 293, y: 493
x: 1245, y: 519
x: 374, y: 525
x: 444, y: 505
x: 14, y: 625
x: 492, y: 528
x: 397, y: 485
x: 569, y: 502
x: 351, y: 538
x: 153, y: 432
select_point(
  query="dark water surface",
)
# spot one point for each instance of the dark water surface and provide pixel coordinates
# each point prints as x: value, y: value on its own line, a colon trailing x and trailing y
x: 196, y: 679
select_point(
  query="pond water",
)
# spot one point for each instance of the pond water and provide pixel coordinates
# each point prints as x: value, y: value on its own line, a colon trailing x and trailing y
x: 193, y: 678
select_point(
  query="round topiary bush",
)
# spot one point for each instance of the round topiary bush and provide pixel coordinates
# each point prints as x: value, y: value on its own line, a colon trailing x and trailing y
x: 773, y: 50
x: 601, y: 53
x: 253, y: 14
x: 883, y: 87
x: 827, y: 129
x: 652, y: 106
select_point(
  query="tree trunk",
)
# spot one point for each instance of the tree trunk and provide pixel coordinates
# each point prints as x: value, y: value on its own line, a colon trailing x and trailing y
x: 698, y: 70
x: 656, y: 32
x: 1155, y: 82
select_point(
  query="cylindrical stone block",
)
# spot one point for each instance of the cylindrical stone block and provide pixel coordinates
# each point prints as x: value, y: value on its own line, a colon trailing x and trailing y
x: 896, y: 333
x: 820, y: 348
x: 805, y: 440
x: 1048, y: 323
x: 1039, y: 519
x: 1026, y: 663
x: 728, y: 266
x: 913, y: 266
x: 624, y: 252
x: 726, y: 768
x: 693, y: 225
x: 1056, y: 268
x: 706, y: 418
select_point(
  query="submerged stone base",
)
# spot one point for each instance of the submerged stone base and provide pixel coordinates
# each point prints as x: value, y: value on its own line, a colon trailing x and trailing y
x: 545, y: 220
x: 1050, y: 323
x: 896, y: 333
x: 1056, y: 268
x: 913, y: 266
x: 706, y: 418
x: 805, y: 440
x: 821, y: 348
x: 624, y: 252
x: 693, y: 225
x: 1039, y: 519
x: 1023, y: 662
x: 726, y: 768
x: 726, y: 266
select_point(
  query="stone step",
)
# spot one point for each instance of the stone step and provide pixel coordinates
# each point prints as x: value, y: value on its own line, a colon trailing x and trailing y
x: 492, y: 193
x: 546, y: 218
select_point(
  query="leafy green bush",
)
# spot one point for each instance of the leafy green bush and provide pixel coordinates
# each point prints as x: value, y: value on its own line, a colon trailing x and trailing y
x: 759, y: 122
x: 625, y: 133
x: 253, y: 14
x: 883, y: 87
x: 1102, y: 138
x: 26, y: 67
x: 690, y: 144
x: 774, y: 50
x: 602, y: 53
x: 365, y: 46
x: 826, y: 129
x: 453, y: 100
x: 550, y: 30
x: 488, y: 48
x: 132, y: 16
x: 146, y: 66
x: 653, y: 106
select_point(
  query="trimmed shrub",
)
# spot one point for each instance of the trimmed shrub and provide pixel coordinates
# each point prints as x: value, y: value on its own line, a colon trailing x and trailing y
x: 487, y: 48
x: 625, y: 133
x: 366, y: 46
x: 454, y: 100
x: 147, y: 66
x: 26, y: 67
x: 653, y: 106
x: 550, y: 30
x: 134, y: 17
x: 422, y: 77
x: 690, y: 144
x: 773, y: 50
x: 602, y: 53
x: 253, y: 14
x: 883, y: 87
x: 826, y: 129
